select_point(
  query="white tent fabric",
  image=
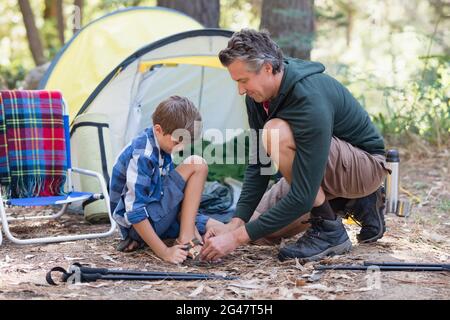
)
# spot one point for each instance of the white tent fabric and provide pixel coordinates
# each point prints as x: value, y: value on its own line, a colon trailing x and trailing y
x: 130, y: 97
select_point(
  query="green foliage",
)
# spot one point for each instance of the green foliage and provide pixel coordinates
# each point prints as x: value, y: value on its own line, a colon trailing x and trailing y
x: 238, y: 14
x: 423, y: 106
x: 12, y: 76
x: 110, y: 5
x: 49, y: 34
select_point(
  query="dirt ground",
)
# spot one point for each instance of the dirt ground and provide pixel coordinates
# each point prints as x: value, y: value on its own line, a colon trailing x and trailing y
x: 422, y: 237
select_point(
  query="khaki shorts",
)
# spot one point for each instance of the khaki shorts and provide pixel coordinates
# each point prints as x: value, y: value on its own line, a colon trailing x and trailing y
x: 350, y: 173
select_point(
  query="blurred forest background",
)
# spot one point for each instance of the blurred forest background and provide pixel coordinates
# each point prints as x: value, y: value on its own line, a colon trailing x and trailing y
x: 392, y: 54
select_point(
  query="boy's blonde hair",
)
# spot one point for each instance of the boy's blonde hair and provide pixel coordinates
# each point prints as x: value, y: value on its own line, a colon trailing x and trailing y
x: 178, y: 113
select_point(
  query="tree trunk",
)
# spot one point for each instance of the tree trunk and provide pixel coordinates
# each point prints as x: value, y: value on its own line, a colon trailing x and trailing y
x: 60, y: 20
x: 291, y: 25
x: 78, y: 21
x: 50, y: 9
x: 34, y: 40
x: 207, y: 12
x: 53, y: 11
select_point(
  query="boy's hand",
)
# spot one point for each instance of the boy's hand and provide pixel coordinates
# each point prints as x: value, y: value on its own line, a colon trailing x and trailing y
x: 175, y: 254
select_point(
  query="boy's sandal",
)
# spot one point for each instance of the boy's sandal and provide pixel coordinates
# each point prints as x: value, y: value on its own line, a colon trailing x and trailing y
x: 123, y: 244
x: 193, y: 248
x: 129, y: 245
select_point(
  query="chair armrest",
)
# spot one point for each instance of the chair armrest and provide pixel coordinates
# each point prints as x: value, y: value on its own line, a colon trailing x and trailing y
x: 87, y: 172
x: 100, y: 179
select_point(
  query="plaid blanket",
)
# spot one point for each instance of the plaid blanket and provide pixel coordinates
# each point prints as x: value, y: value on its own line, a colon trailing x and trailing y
x: 32, y: 144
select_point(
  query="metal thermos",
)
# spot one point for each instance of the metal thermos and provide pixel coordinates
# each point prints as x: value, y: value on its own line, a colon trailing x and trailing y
x: 392, y: 180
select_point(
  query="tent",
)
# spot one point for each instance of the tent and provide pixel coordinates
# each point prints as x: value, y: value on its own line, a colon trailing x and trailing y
x: 102, y: 44
x: 115, y: 71
x: 185, y: 64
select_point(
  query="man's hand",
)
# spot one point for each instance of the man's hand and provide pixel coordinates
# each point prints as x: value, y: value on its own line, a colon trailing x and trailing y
x: 222, y: 229
x: 218, y: 246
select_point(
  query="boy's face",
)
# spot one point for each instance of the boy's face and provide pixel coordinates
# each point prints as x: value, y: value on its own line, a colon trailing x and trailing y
x: 166, y: 142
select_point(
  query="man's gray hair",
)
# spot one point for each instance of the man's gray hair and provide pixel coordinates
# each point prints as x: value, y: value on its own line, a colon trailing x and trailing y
x: 255, y: 48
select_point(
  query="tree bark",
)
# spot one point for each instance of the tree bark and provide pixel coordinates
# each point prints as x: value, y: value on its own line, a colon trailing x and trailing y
x: 34, y: 40
x: 53, y: 11
x: 49, y: 9
x: 207, y: 12
x: 60, y: 20
x: 291, y: 24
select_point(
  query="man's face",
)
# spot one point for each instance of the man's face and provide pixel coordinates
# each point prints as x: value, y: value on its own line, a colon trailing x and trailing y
x: 258, y: 86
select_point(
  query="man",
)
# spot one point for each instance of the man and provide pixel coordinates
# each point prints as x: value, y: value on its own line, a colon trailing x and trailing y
x: 328, y: 150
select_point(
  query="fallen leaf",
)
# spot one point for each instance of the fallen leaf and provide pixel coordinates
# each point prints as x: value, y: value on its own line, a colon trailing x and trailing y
x: 106, y: 257
x: 363, y: 289
x: 434, y: 237
x: 209, y: 289
x: 285, y: 292
x: 313, y: 277
x: 104, y: 284
x: 298, y: 265
x: 249, y: 284
x: 72, y: 259
x: 318, y: 286
x: 340, y: 276
x: 197, y: 291
x: 300, y: 282
x: 141, y: 288
x: 237, y: 291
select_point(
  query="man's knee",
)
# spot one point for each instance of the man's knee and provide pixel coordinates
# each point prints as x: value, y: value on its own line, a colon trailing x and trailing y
x: 277, y: 132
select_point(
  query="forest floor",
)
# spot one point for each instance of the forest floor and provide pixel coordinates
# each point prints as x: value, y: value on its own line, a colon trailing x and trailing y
x: 421, y: 237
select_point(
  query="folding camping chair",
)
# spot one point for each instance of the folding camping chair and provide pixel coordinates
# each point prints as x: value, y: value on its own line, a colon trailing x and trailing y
x: 69, y: 196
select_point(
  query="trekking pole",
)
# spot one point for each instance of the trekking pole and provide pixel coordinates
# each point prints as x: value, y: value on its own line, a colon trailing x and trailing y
x: 384, y: 267
x: 403, y: 264
x: 78, y: 273
x: 105, y: 271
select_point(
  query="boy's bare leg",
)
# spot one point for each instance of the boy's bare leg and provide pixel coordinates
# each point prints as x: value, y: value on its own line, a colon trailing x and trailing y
x: 194, y: 171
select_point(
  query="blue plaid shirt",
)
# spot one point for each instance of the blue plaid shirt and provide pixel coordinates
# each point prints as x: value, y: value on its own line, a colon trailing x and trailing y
x: 136, y: 179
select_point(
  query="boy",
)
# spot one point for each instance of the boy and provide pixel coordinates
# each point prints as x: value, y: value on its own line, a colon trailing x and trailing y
x: 151, y: 200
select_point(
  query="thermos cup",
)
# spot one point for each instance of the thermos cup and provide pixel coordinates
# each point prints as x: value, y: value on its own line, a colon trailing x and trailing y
x: 392, y: 180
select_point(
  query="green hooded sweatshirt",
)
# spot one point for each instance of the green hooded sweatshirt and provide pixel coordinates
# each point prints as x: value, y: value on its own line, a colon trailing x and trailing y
x: 317, y: 107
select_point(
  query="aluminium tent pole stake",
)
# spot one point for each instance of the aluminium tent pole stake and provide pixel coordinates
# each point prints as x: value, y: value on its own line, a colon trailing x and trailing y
x: 387, y: 267
x: 437, y: 265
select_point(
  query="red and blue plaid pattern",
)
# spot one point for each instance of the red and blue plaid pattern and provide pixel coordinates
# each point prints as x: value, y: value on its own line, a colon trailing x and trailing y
x: 32, y: 143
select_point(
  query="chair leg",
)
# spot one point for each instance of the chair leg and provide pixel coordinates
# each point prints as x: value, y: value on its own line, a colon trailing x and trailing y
x: 5, y: 224
x: 52, y: 216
